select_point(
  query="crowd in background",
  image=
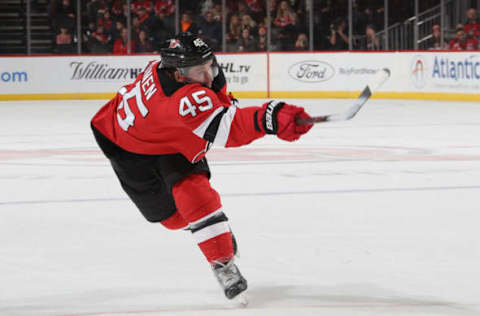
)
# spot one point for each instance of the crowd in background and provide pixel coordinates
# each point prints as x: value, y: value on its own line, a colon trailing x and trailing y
x: 104, y: 28
x: 466, y: 35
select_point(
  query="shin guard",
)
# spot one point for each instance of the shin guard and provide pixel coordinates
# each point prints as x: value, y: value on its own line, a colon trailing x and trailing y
x: 199, y: 204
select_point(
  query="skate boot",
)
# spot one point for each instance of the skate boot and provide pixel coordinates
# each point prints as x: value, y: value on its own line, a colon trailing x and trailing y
x: 235, y: 245
x: 230, y: 278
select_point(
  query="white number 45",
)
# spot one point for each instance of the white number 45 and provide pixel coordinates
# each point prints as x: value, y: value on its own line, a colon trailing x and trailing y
x: 204, y: 104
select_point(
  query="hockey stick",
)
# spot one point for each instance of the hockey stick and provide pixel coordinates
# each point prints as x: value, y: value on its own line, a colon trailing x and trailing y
x: 380, y: 77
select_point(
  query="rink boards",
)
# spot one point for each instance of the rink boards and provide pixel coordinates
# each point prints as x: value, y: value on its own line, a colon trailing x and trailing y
x: 415, y: 75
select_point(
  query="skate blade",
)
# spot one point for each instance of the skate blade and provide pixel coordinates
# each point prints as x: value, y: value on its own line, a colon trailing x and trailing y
x: 240, y: 300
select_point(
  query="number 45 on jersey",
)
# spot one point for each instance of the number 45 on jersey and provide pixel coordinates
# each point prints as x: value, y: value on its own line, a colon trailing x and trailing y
x: 134, y: 98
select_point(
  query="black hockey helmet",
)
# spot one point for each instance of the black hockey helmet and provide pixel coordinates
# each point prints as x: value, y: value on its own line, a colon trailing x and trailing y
x: 185, y: 50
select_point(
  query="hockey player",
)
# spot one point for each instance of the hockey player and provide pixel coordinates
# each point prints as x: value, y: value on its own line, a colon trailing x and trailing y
x: 157, y: 130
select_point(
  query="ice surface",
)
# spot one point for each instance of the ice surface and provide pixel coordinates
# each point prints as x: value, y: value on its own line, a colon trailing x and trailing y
x: 374, y: 216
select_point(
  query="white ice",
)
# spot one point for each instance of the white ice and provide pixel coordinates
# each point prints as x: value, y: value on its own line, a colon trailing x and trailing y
x: 374, y: 216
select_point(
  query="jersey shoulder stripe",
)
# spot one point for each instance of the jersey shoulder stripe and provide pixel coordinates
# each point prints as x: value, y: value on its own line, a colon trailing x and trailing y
x: 201, y: 130
x: 223, y: 129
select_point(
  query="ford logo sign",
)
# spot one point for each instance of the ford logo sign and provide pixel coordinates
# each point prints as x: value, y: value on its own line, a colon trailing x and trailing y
x: 311, y: 71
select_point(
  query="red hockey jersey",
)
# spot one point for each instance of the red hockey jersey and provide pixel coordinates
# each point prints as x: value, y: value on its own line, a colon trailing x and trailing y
x: 158, y: 115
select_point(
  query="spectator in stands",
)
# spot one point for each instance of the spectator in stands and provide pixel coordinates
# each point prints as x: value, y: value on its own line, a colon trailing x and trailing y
x: 64, y: 42
x: 159, y: 30
x: 124, y: 15
x: 285, y: 22
x: 273, y: 7
x: 206, y: 6
x: 285, y: 15
x: 96, y: 9
x: 372, y: 42
x: 242, y: 9
x: 462, y: 42
x: 435, y: 41
x: 107, y: 22
x: 142, y: 4
x: 117, y: 31
x: 249, y: 23
x: 296, y: 5
x: 98, y: 43
x: 322, y: 21
x: 62, y: 15
x: 298, y: 8
x: 215, y: 7
x: 136, y: 28
x: 144, y: 21
x: 217, y: 12
x: 246, y: 42
x: 366, y: 14
x: 234, y: 32
x: 256, y: 8
x: 165, y: 12
x: 262, y: 38
x: 143, y: 45
x: 211, y: 30
x: 64, y: 37
x: 472, y: 25
x: 117, y: 9
x: 187, y: 24
x: 338, y: 39
x: 120, y: 47
x: 301, y: 43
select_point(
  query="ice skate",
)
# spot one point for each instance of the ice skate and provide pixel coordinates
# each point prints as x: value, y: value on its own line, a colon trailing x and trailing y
x: 231, y: 281
x: 235, y: 246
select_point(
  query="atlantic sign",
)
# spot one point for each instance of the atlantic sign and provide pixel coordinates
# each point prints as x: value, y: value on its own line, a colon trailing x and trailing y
x: 446, y: 71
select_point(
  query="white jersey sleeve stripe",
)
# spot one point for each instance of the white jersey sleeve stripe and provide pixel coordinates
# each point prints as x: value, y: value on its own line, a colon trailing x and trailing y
x: 224, y: 127
x: 202, y: 128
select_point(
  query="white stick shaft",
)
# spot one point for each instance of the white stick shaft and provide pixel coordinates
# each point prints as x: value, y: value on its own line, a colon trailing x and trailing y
x: 379, y: 79
x: 375, y: 83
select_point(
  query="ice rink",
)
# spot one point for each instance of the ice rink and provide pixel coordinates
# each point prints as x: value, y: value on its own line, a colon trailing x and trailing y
x: 374, y: 216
